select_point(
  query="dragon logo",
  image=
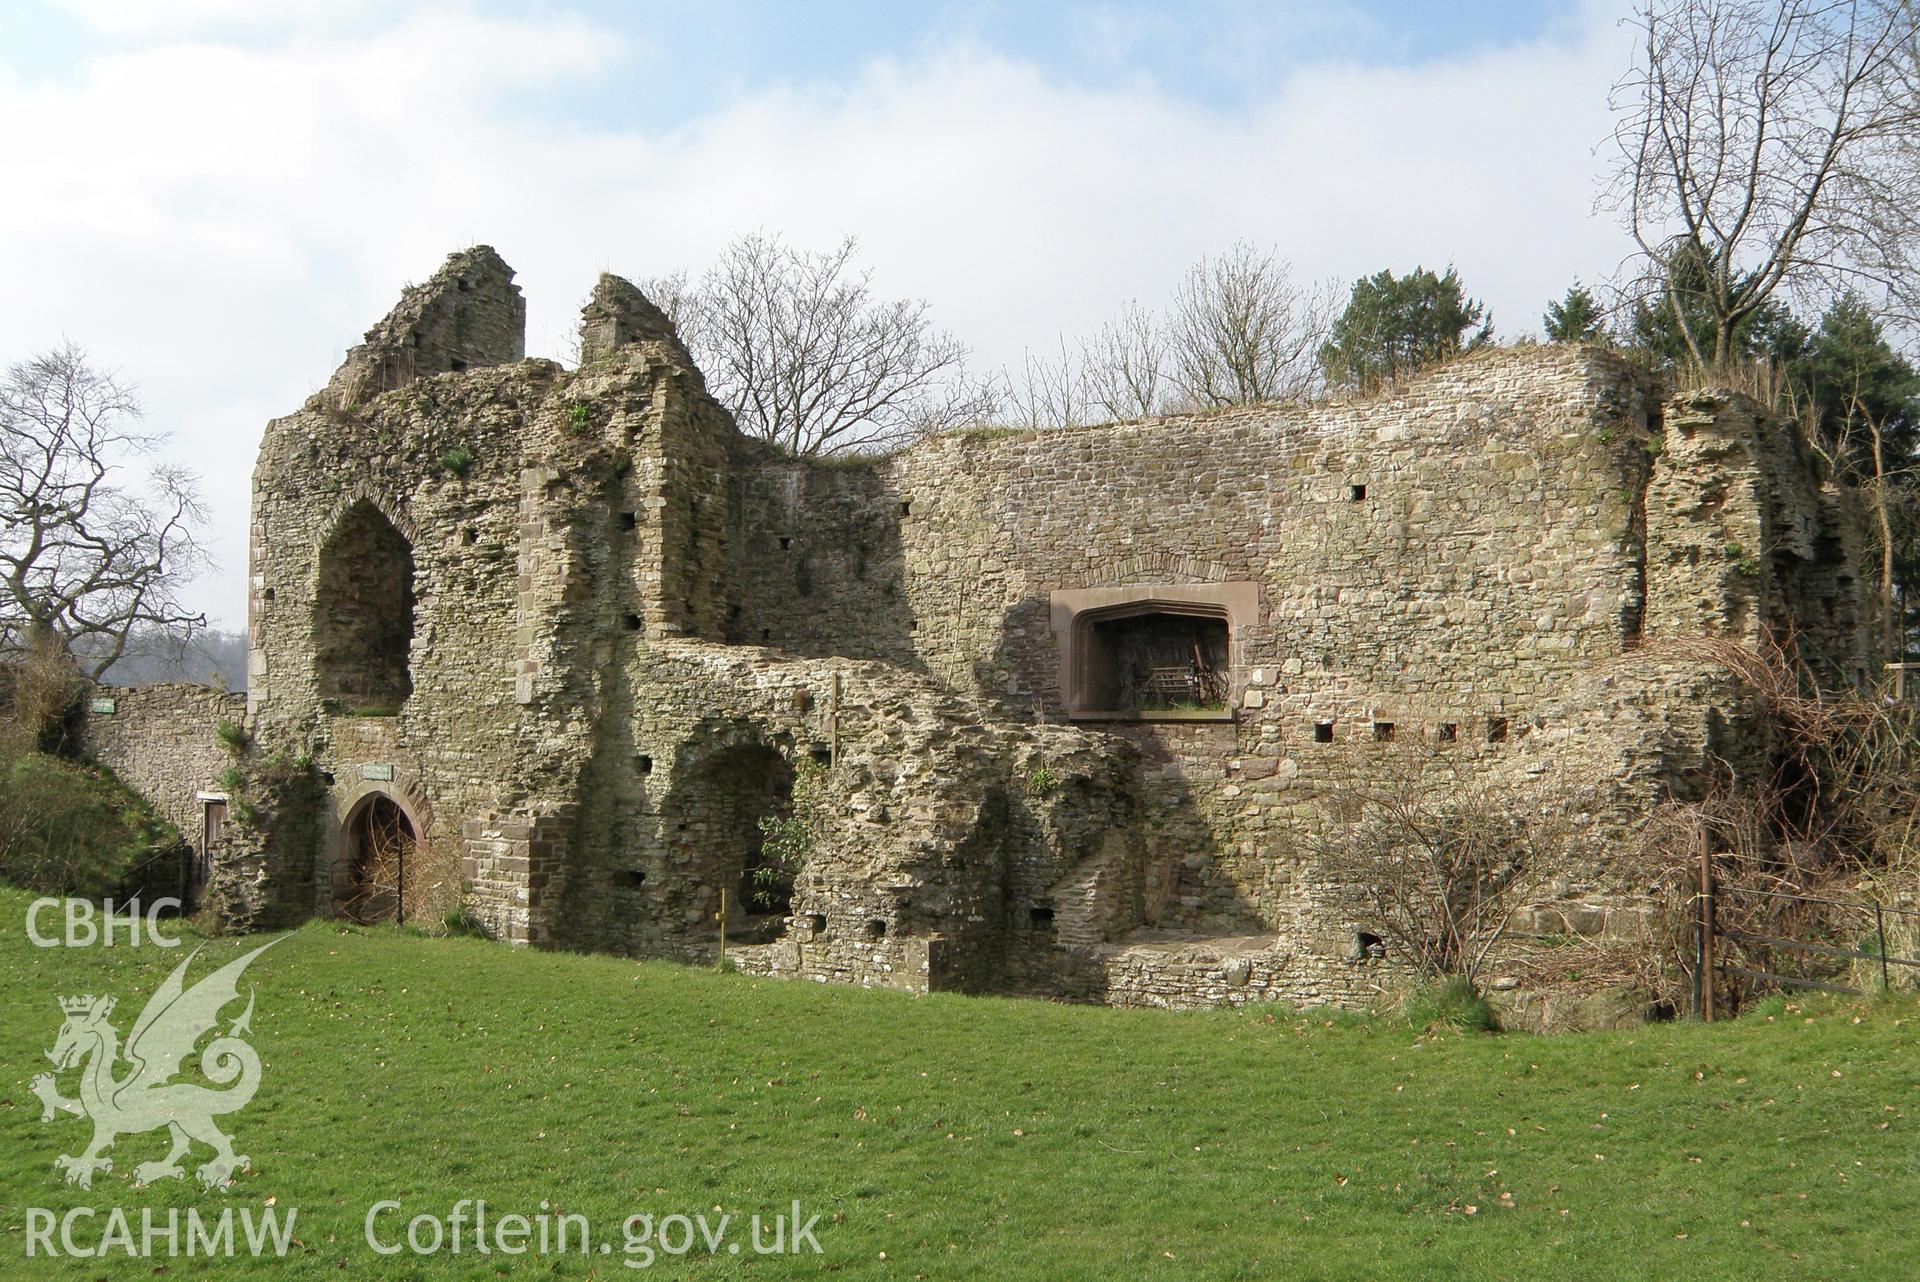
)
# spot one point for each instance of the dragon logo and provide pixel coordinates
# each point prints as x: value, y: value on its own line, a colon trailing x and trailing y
x: 146, y: 1098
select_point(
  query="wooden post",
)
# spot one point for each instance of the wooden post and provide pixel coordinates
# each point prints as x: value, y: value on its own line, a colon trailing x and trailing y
x: 1880, y: 929
x: 723, y: 928
x: 1706, y: 931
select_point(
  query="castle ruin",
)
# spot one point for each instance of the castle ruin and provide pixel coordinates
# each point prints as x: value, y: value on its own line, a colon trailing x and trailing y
x: 1047, y: 712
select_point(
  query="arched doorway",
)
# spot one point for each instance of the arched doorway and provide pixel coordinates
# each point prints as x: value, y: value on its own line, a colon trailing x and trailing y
x: 363, y: 614
x: 732, y: 806
x: 377, y: 847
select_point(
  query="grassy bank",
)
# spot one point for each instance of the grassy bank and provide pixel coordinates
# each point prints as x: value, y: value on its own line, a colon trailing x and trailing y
x: 72, y: 827
x: 969, y: 1138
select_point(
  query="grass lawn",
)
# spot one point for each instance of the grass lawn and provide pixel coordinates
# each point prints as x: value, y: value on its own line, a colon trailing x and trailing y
x: 948, y: 1137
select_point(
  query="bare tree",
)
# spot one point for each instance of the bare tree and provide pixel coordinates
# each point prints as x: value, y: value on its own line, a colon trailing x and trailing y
x: 798, y: 347
x: 1118, y: 373
x: 1241, y: 330
x: 1047, y: 392
x: 1770, y: 144
x: 83, y: 561
x: 1125, y: 364
x: 1438, y: 855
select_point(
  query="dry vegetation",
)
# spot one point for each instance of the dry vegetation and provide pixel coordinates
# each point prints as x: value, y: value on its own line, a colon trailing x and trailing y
x: 1805, y: 847
x: 1442, y: 854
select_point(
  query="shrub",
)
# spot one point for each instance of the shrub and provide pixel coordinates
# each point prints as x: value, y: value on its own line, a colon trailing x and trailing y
x: 1451, y: 1003
x: 786, y: 840
x: 40, y: 694
x: 231, y: 736
x: 1438, y: 856
x: 463, y: 923
x: 457, y: 461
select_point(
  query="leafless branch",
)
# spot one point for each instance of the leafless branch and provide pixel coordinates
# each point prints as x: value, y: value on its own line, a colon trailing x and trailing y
x: 1769, y: 145
x: 799, y: 348
x: 1438, y: 855
x: 1125, y: 364
x: 84, y: 561
x: 1242, y: 330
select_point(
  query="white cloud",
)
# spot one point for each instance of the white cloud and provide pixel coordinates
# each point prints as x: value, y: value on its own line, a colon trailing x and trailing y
x: 221, y: 222
x: 133, y: 18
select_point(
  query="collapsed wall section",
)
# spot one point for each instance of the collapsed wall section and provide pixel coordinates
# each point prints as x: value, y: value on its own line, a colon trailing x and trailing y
x: 933, y: 830
x: 467, y: 316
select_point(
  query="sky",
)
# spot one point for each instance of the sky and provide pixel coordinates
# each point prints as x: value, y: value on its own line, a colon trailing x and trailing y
x: 215, y: 198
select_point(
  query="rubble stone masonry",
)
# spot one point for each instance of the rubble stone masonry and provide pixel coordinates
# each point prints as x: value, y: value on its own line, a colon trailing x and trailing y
x: 590, y: 640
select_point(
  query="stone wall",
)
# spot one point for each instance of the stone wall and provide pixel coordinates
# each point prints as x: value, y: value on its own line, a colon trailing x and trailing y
x: 1445, y: 565
x: 163, y: 742
x: 1391, y: 539
x: 568, y: 707
x: 630, y: 634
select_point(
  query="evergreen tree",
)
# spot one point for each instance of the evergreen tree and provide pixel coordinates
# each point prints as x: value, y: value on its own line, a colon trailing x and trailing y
x: 1853, y: 376
x: 1575, y: 318
x: 1395, y: 326
x: 1867, y: 399
x: 1769, y: 332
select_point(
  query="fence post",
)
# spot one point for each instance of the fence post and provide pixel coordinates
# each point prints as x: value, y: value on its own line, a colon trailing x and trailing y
x: 723, y: 928
x: 1706, y: 931
x: 1880, y: 930
x: 1699, y: 960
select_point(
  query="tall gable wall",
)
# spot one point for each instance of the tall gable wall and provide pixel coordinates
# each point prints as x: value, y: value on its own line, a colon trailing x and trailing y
x: 1493, y: 546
